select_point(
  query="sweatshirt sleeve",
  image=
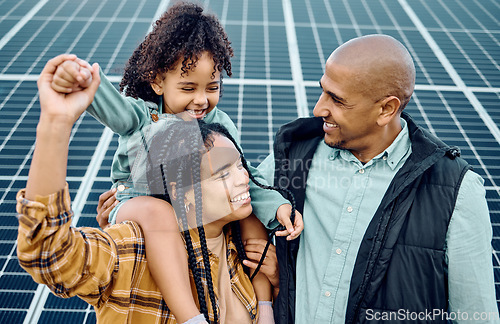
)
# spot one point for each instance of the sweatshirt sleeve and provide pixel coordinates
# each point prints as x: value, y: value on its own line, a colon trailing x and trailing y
x: 121, y: 114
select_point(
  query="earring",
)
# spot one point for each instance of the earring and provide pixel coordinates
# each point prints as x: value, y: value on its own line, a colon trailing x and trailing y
x: 157, y: 89
x: 186, y: 208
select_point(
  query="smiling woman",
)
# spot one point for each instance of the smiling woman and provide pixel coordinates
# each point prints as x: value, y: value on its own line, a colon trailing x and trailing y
x: 198, y: 169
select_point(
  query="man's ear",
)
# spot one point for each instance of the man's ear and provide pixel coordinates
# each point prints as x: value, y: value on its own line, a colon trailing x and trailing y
x: 389, y: 109
x: 156, y: 85
x: 173, y: 190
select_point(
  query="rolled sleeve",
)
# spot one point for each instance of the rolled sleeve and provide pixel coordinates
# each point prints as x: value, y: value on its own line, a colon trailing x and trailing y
x: 69, y: 261
x: 123, y: 115
x: 266, y: 169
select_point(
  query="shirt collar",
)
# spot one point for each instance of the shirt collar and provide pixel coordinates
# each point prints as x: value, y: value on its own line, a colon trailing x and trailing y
x: 398, y: 149
x: 392, y: 155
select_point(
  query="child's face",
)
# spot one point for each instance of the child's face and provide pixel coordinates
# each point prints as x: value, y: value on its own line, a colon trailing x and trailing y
x: 196, y: 92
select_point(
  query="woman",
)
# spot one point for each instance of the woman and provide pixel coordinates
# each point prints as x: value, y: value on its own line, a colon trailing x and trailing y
x: 108, y: 269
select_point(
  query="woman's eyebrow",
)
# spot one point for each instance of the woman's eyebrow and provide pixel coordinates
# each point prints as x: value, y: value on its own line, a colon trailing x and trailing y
x: 225, y: 166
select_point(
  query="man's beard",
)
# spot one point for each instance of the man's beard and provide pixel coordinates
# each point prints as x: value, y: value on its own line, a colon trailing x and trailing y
x: 337, y: 145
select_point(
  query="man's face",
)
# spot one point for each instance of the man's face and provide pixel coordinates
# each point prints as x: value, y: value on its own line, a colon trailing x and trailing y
x: 349, y: 114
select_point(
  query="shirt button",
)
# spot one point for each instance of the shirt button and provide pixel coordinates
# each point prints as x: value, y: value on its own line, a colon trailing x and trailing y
x: 349, y: 209
x: 338, y: 251
x: 361, y: 171
x: 331, y: 157
x: 384, y: 157
x: 328, y: 294
x: 121, y: 187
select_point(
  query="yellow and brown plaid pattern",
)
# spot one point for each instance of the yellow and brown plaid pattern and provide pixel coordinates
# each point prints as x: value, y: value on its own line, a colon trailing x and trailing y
x: 107, y: 269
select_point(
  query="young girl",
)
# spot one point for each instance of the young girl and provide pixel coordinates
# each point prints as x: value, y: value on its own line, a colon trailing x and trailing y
x: 176, y: 69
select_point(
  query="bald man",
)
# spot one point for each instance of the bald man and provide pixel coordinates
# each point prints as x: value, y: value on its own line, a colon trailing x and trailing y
x: 397, y: 228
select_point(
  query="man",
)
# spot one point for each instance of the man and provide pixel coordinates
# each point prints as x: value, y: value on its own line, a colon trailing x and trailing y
x: 397, y: 227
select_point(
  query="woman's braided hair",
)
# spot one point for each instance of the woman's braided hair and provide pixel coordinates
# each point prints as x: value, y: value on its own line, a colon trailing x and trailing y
x: 181, y: 35
x: 219, y: 129
x: 172, y: 164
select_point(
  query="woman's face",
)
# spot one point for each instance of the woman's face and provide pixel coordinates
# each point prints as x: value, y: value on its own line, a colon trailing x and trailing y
x: 225, y: 189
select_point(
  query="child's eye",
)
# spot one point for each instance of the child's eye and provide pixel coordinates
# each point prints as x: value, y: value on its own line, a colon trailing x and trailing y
x: 213, y: 89
x: 187, y: 89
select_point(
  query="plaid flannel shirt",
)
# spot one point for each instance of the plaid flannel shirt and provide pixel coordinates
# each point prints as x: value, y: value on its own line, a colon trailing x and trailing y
x: 107, y: 269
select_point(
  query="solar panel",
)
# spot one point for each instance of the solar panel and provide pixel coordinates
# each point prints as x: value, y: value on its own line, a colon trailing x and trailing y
x: 280, y: 50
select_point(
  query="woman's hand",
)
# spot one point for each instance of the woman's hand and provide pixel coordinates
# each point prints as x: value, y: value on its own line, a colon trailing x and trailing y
x: 254, y: 249
x: 59, y: 106
x: 107, y: 201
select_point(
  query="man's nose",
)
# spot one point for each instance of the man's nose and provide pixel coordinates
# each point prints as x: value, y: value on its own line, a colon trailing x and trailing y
x: 320, y: 109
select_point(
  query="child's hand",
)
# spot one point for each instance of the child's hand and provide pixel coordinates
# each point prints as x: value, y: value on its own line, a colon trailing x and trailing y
x: 64, y: 107
x: 283, y: 216
x: 72, y: 75
x: 107, y: 201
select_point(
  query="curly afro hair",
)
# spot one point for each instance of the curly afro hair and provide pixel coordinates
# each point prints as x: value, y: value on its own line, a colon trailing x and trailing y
x: 182, y: 34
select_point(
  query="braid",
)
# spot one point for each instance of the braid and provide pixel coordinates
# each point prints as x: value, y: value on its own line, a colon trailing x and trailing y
x: 192, y: 263
x: 218, y: 128
x: 288, y: 193
x: 201, y: 230
x: 238, y: 242
x: 189, y: 244
x: 291, y: 198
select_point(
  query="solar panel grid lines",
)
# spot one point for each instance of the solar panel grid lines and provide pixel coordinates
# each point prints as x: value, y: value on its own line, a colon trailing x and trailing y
x: 4, y: 5
x: 267, y: 66
x: 124, y: 36
x: 421, y: 109
x: 317, y: 42
x: 244, y: 27
x: 451, y: 70
x: 266, y: 96
x: 471, y: 146
x: 419, y: 65
x: 295, y: 62
x: 48, y: 44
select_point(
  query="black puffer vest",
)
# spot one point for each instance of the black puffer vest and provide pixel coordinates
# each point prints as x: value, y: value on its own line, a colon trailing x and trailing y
x: 400, y: 267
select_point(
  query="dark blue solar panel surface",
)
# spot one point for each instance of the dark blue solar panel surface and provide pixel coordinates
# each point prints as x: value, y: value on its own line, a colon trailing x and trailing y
x: 280, y: 50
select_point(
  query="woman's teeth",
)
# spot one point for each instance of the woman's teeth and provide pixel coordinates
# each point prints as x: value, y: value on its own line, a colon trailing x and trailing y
x: 241, y: 197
